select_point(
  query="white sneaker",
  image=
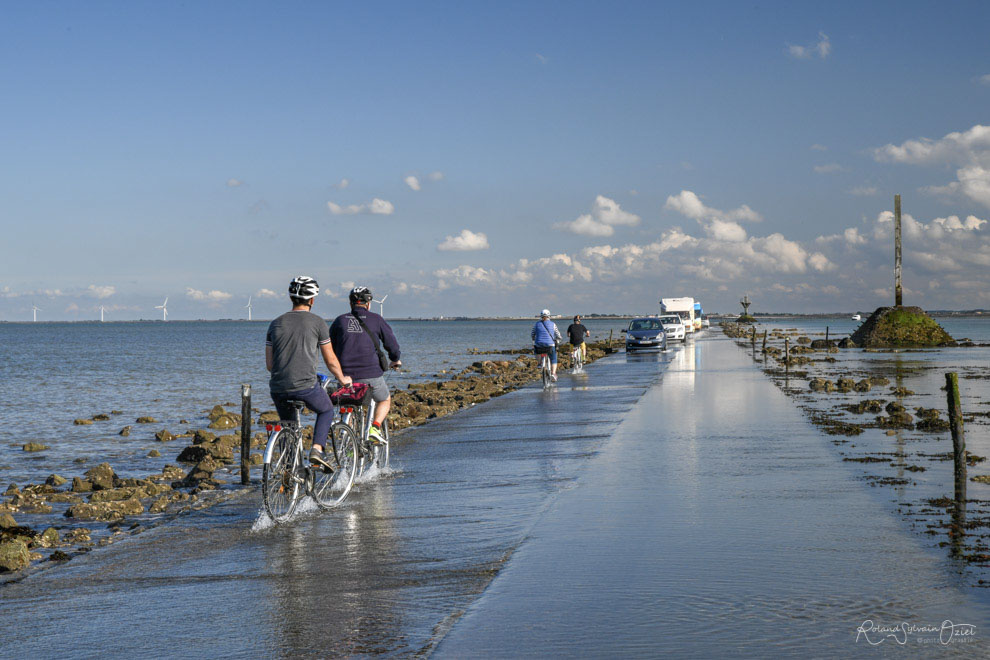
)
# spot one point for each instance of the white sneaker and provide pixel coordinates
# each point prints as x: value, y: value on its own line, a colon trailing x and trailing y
x: 553, y: 378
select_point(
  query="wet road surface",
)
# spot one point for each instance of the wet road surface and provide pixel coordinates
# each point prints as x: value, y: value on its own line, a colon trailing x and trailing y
x: 671, y: 503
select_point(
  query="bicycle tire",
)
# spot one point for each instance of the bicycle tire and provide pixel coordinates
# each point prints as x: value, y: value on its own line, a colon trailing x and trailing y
x: 545, y: 375
x: 279, y: 487
x: 381, y: 451
x: 330, y: 488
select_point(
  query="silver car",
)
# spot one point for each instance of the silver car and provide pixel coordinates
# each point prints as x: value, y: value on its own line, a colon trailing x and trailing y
x: 673, y: 326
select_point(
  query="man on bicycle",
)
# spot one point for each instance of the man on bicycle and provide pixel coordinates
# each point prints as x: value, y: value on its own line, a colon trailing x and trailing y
x: 545, y: 336
x: 356, y: 337
x: 291, y: 347
x: 576, y: 332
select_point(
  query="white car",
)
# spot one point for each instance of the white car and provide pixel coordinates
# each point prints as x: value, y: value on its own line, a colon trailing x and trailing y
x: 673, y: 326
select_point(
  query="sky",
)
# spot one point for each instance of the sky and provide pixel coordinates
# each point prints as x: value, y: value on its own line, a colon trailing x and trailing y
x: 491, y: 159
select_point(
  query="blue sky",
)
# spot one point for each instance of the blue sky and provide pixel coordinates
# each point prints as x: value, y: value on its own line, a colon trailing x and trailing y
x: 579, y: 156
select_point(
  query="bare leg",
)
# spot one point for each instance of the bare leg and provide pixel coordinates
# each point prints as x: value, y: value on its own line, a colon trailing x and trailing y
x: 381, y: 409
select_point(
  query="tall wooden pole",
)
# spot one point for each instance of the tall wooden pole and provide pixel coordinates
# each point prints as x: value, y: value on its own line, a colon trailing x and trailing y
x: 897, y: 251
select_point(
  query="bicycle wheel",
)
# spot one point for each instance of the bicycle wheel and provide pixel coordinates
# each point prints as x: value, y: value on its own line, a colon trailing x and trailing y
x: 330, y: 487
x: 279, y: 486
x: 545, y: 374
x: 381, y: 450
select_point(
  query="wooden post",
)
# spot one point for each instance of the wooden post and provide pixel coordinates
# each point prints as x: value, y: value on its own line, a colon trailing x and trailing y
x: 787, y: 352
x: 752, y: 337
x: 958, y: 435
x: 826, y: 334
x: 610, y: 340
x: 897, y: 251
x: 245, y: 434
x: 764, y: 341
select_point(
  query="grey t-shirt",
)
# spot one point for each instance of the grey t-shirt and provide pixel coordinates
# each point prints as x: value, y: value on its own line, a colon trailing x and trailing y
x: 295, y: 338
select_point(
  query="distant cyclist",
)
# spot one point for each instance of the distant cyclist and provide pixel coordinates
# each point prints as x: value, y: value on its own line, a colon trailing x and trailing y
x: 545, y: 336
x: 576, y: 332
x: 356, y: 337
x: 294, y: 339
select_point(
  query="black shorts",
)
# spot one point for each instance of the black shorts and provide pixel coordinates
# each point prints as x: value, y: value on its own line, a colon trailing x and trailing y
x: 543, y: 350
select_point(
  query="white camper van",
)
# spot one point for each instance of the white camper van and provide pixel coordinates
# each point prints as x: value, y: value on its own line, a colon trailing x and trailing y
x: 683, y: 307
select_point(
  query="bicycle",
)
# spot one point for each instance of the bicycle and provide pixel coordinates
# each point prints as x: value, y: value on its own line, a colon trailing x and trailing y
x: 287, y: 473
x: 545, y: 374
x: 356, y: 410
x: 578, y: 356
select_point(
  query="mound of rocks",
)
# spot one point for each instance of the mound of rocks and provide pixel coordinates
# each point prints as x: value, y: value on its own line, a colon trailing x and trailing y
x: 899, y: 327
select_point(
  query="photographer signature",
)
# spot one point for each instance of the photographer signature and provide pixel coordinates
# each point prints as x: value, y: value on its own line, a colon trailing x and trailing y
x: 875, y: 633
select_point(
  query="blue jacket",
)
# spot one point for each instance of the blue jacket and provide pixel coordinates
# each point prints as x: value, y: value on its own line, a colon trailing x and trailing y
x: 354, y: 348
x: 545, y: 333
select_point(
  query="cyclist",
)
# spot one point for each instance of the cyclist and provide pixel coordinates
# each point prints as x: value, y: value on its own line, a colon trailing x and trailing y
x: 545, y: 336
x: 576, y: 332
x: 291, y: 347
x: 354, y: 338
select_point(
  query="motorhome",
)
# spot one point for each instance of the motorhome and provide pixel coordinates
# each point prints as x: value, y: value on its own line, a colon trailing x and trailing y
x: 697, y: 316
x: 683, y: 307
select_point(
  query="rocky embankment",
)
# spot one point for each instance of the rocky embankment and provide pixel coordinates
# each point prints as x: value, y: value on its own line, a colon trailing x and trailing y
x: 898, y: 435
x: 99, y: 507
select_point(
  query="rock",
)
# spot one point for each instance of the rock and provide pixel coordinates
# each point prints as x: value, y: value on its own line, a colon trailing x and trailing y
x: 7, y: 520
x: 821, y: 385
x: 901, y: 391
x: 154, y: 453
x: 201, y: 436
x: 12, y: 489
x: 803, y: 340
x: 78, y: 535
x: 930, y: 421
x: 14, y: 556
x: 863, y: 386
x: 216, y: 412
x: 164, y: 436
x: 193, y: 454
x: 896, y: 420
x: 102, y: 417
x: 146, y: 420
x: 102, y: 476
x: 159, y: 505
x: 116, y: 412
x: 879, y: 380
x: 126, y: 431
x: 269, y: 417
x: 81, y: 485
x: 35, y: 446
x: 819, y: 344
x: 49, y: 538
x: 106, y: 510
x: 226, y: 421
x: 58, y: 555
x: 55, y: 480
x: 256, y: 459
x: 847, y: 343
x: 894, y: 407
x: 82, y: 422
x: 183, y: 421
x: 844, y: 384
x: 117, y: 494
x: 898, y: 327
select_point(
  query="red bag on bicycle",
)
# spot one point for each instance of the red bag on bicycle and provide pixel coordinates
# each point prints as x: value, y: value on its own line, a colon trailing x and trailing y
x: 355, y: 394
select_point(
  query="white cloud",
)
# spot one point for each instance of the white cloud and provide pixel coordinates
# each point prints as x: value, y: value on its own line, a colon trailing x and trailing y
x: 818, y: 147
x: 435, y: 176
x: 463, y: 276
x: 340, y: 291
x: 605, y: 215
x: 412, y: 182
x: 344, y: 183
x: 376, y: 207
x: 726, y: 230
x: 984, y: 79
x: 101, y: 292
x: 863, y: 191
x: 233, y: 183
x: 542, y: 59
x: 822, y: 48
x: 828, y: 168
x: 689, y: 204
x: 209, y: 296
x: 265, y: 293
x: 467, y: 240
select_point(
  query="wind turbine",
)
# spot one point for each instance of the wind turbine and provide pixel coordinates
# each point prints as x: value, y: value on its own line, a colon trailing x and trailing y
x: 164, y: 309
x: 381, y: 303
x: 36, y: 309
x: 101, y: 313
x: 249, y: 308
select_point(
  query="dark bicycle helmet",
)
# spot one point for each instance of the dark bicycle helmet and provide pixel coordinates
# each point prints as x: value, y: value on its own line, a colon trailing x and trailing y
x: 304, y: 287
x: 360, y: 294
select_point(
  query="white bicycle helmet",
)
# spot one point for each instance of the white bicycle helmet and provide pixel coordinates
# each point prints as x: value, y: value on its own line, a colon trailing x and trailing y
x: 304, y: 287
x: 545, y: 312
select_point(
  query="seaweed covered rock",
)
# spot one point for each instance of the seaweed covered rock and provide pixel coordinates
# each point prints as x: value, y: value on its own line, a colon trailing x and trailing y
x: 14, y: 556
x: 898, y: 327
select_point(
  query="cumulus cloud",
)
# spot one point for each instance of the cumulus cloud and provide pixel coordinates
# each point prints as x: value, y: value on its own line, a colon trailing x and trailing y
x: 689, y: 204
x: 233, y: 183
x: 467, y: 240
x: 214, y: 296
x: 968, y: 151
x: 542, y: 59
x: 818, y: 147
x: 375, y: 207
x: 828, y: 168
x: 412, y: 182
x: 340, y: 290
x: 265, y: 293
x: 984, y: 79
x: 822, y: 49
x: 344, y: 183
x: 605, y: 215
x: 101, y: 292
x: 863, y: 191
x: 435, y: 176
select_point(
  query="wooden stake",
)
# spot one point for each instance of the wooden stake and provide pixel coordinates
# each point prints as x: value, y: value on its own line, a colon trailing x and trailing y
x: 897, y: 251
x: 958, y: 435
